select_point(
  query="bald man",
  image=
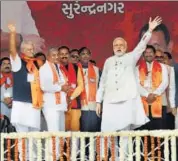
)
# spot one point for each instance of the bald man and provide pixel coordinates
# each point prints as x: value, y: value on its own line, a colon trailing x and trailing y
x: 122, y: 106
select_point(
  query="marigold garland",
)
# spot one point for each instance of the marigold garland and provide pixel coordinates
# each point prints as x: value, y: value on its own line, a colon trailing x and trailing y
x: 145, y: 148
x: 112, y: 148
x: 54, y: 147
x: 16, y: 150
x: 68, y: 148
x: 23, y: 150
x: 8, y: 149
x: 61, y: 148
x: 105, y: 148
x: 159, y: 148
x: 98, y: 148
x: 152, y: 148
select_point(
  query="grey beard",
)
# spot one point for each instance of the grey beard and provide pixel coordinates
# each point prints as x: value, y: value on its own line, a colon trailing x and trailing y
x: 118, y: 53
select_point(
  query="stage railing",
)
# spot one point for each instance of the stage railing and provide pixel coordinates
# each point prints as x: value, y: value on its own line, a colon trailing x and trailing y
x: 73, y: 146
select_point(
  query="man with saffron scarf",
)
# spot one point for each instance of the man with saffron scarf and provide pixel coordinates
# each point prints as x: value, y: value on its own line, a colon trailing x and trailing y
x: 6, y: 81
x: 54, y: 85
x: 27, y: 95
x: 122, y: 106
x: 89, y: 122
x: 153, y: 81
x: 73, y: 73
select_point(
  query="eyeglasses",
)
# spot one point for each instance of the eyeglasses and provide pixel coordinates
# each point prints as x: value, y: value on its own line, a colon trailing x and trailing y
x: 75, y: 56
x: 161, y: 57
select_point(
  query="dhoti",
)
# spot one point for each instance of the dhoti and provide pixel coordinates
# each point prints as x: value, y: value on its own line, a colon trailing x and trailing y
x: 118, y: 116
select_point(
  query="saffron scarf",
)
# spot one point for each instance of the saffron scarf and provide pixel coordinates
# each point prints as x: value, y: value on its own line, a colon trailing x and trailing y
x: 55, y: 80
x: 72, y: 81
x: 4, y: 78
x: 92, y: 85
x: 36, y: 92
x: 156, y: 106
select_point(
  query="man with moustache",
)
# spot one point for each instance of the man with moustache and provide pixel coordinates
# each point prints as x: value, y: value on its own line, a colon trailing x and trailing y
x: 73, y: 74
x: 122, y: 106
x: 6, y: 81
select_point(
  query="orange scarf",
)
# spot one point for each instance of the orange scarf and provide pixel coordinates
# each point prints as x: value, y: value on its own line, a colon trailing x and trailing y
x: 72, y: 81
x: 156, y: 106
x: 4, y: 78
x: 92, y: 83
x: 36, y: 92
x: 55, y: 80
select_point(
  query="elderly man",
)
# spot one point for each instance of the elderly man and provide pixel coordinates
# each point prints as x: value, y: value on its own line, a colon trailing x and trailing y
x: 54, y: 86
x: 27, y: 95
x: 6, y: 87
x: 122, y: 106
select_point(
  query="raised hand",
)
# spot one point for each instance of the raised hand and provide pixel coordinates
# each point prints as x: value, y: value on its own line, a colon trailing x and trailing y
x: 153, y: 24
x: 11, y: 27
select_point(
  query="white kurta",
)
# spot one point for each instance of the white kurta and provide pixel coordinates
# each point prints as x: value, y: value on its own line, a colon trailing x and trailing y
x: 118, y: 89
x: 49, y: 88
x: 5, y: 110
x: 23, y: 113
x: 54, y: 113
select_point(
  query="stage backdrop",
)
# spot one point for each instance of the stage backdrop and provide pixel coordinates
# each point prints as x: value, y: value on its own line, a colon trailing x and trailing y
x: 96, y: 24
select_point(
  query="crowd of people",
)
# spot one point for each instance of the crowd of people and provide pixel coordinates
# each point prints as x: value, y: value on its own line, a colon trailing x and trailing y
x: 65, y: 87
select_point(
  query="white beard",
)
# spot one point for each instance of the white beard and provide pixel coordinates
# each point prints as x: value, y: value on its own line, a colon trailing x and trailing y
x: 118, y: 53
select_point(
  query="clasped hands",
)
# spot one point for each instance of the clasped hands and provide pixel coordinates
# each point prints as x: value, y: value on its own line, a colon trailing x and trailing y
x: 67, y: 89
x: 151, y: 98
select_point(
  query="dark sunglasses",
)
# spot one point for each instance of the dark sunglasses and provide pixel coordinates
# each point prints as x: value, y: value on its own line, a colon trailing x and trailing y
x: 75, y: 56
x: 159, y: 57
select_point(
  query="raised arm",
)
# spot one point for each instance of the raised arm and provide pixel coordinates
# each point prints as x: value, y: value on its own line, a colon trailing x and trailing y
x: 12, y: 41
x: 5, y: 41
x: 140, y: 48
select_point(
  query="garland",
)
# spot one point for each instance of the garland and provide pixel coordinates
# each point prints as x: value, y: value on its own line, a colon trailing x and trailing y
x: 23, y: 150
x: 54, y: 147
x: 112, y: 148
x: 145, y: 148
x: 68, y: 148
x: 98, y: 148
x: 105, y: 148
x: 61, y: 148
x: 8, y: 149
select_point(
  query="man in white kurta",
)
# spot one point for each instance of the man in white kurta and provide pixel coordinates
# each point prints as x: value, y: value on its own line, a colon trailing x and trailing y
x: 53, y: 112
x: 122, y: 106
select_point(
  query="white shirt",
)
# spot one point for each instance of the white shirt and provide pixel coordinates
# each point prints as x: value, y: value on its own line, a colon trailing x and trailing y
x: 17, y: 12
x: 49, y: 88
x: 118, y: 80
x: 169, y: 94
x: 147, y: 88
x: 6, y: 92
